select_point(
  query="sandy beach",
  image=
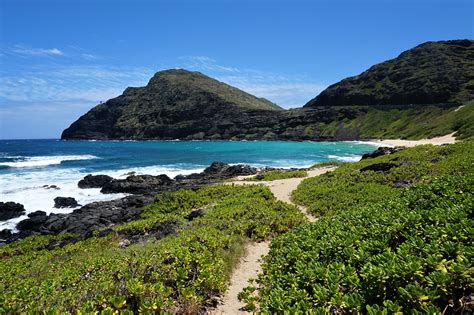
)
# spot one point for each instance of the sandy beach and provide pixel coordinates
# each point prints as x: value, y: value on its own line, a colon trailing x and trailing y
x: 447, y: 139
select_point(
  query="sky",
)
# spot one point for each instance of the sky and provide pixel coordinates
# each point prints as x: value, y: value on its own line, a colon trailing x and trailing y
x: 58, y: 59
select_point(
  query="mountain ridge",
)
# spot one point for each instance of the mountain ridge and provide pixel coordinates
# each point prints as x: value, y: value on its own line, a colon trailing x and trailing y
x: 390, y: 99
x: 430, y: 73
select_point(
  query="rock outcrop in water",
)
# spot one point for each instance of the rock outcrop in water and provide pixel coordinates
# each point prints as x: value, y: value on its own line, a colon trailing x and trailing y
x: 104, y: 214
x: 144, y: 184
x: 9, y: 210
x: 65, y: 202
x: 94, y: 181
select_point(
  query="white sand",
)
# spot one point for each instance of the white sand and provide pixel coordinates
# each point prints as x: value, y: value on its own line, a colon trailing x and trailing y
x: 448, y: 139
x: 248, y: 268
x: 249, y: 265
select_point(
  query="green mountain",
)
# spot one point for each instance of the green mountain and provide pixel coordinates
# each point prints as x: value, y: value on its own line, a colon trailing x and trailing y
x: 416, y: 95
x: 174, y: 104
x: 431, y: 73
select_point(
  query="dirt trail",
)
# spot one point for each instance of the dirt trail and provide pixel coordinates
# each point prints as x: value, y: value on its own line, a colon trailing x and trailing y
x: 249, y: 265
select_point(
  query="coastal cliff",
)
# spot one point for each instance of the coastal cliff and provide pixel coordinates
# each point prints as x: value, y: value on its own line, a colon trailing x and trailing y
x: 412, y: 96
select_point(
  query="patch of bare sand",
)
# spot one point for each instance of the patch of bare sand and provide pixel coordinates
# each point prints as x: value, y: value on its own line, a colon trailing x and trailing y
x: 447, y: 139
x: 249, y: 266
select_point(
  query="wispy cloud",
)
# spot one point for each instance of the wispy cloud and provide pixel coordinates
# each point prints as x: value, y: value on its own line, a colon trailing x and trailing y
x: 50, y: 93
x: 25, y: 51
x: 50, y: 97
x: 89, y: 56
x: 288, y: 91
x: 89, y: 84
x: 205, y: 63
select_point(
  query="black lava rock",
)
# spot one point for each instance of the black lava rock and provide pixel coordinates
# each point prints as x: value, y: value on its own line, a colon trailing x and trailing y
x: 195, y: 214
x: 381, y: 151
x: 65, y: 202
x: 103, y: 215
x: 94, y: 181
x: 34, y: 221
x: 137, y: 184
x: 9, y: 210
x: 5, y: 235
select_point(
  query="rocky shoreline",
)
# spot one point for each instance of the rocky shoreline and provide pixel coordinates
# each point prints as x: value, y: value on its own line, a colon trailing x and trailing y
x: 104, y: 214
x: 141, y: 189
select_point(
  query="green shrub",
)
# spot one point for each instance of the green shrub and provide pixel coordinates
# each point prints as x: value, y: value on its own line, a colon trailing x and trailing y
x: 278, y: 174
x: 349, y: 186
x: 378, y: 249
x: 175, y: 273
x: 410, y: 252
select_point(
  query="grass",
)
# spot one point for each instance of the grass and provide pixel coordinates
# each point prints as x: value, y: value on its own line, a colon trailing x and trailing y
x: 415, y: 122
x: 378, y: 249
x: 157, y: 273
x: 278, y: 174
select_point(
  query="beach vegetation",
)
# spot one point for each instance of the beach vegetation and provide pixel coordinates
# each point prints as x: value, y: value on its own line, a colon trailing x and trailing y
x: 379, y: 247
x: 278, y: 174
x: 167, y: 261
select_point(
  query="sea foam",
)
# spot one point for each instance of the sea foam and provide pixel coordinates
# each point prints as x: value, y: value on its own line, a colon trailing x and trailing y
x: 29, y: 188
x: 40, y: 161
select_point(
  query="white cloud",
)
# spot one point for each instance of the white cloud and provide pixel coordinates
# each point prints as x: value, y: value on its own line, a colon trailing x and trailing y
x: 205, y: 63
x: 37, y: 51
x: 89, y: 56
x: 90, y: 84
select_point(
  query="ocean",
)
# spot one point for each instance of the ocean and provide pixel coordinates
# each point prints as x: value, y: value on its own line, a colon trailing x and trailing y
x: 26, y: 166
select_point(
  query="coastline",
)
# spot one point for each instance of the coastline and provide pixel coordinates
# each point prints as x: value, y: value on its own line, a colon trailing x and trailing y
x: 447, y: 139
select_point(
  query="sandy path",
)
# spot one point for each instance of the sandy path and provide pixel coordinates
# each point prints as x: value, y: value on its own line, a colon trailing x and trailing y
x: 448, y: 139
x: 248, y: 268
x: 249, y: 265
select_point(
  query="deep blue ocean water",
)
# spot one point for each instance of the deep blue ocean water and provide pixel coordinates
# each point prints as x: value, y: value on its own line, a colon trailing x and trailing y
x: 27, y: 165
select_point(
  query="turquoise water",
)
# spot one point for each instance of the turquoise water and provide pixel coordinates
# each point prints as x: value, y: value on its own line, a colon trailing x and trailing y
x: 27, y: 165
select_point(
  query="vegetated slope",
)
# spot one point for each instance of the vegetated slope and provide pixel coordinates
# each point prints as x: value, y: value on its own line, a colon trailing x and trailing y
x: 431, y: 73
x: 174, y: 259
x: 175, y: 103
x: 405, y: 122
x: 395, y: 236
x: 413, y: 96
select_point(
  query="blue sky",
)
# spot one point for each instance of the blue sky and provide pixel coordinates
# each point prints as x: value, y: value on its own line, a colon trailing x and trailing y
x: 60, y: 58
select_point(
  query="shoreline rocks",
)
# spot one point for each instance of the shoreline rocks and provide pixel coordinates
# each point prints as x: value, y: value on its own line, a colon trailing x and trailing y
x: 104, y: 214
x: 381, y: 151
x: 94, y: 181
x: 137, y: 184
x: 65, y: 202
x: 145, y: 184
x: 10, y: 210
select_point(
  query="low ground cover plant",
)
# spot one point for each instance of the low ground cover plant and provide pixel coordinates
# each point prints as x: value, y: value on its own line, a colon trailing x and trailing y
x: 356, y: 184
x: 406, y: 249
x: 278, y: 174
x: 174, y: 259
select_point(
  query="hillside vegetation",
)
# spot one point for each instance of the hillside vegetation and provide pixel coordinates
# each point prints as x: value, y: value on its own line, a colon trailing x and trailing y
x: 175, y: 103
x: 431, y: 73
x: 405, y: 122
x: 412, y: 96
x: 174, y: 259
x: 395, y: 236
